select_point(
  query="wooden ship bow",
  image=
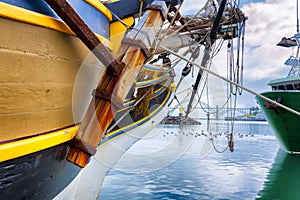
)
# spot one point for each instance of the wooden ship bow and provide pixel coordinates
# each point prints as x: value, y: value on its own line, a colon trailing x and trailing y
x: 121, y: 72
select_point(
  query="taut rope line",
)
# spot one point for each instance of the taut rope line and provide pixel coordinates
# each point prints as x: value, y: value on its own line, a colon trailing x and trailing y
x: 232, y: 82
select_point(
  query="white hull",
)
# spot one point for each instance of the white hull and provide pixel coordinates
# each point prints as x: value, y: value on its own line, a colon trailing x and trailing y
x: 88, y: 183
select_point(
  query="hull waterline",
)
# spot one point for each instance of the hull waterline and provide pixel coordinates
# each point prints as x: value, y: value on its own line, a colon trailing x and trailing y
x: 109, y: 152
x: 285, y: 125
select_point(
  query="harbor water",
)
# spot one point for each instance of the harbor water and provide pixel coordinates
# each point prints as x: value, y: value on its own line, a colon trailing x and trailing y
x: 174, y: 162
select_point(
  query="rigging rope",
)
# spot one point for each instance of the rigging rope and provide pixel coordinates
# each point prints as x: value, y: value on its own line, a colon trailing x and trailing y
x: 215, y: 148
x: 141, y: 8
x: 297, y: 13
x: 160, y: 36
x: 128, y: 111
x: 230, y: 81
x: 194, y: 17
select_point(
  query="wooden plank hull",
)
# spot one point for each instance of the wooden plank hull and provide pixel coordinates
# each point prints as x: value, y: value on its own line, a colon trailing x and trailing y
x: 39, y: 60
x: 32, y: 177
x: 38, y: 68
x: 38, y: 71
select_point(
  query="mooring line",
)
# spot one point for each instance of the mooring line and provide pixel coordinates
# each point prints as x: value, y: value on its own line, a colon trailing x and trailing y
x: 230, y: 81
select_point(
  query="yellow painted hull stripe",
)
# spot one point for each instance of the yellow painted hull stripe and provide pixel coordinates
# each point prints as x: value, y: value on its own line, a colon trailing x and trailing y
x: 160, y: 90
x: 155, y: 68
x: 30, y: 17
x: 143, y: 119
x: 142, y: 84
x: 27, y: 146
x: 100, y: 7
x: 165, y: 85
x: 31, y: 145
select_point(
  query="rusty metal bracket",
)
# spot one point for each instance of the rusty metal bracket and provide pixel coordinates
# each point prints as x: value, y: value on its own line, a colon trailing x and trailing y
x: 115, y: 70
x: 112, y: 90
x: 66, y: 12
x: 102, y: 94
x: 107, y: 96
x: 138, y: 43
x: 87, y: 148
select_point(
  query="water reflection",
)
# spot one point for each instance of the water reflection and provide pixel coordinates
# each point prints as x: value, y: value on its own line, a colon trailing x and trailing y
x: 283, y: 179
x: 172, y: 165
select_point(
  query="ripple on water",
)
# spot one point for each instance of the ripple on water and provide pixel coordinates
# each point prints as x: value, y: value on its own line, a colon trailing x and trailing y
x: 231, y: 175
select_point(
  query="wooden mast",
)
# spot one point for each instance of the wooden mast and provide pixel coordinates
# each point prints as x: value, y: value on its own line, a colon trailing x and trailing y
x: 207, y: 52
x: 112, y: 89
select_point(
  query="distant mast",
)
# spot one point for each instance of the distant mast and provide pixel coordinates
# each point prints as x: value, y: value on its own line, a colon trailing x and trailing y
x: 297, y: 13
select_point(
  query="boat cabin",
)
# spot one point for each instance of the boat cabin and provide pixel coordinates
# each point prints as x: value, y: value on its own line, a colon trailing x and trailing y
x: 292, y: 81
x: 288, y: 83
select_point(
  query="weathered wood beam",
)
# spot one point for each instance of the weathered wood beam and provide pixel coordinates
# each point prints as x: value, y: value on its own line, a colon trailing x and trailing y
x: 67, y: 13
x: 112, y: 90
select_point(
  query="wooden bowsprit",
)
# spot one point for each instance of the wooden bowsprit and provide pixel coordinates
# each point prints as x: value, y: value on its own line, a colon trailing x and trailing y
x: 111, y: 91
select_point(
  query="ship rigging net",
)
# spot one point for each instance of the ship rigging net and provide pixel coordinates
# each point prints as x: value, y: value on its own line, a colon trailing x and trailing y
x: 208, y: 36
x: 190, y: 45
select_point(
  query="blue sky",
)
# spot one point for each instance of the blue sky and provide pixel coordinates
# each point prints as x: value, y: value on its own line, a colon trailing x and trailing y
x: 244, y: 2
x: 268, y: 21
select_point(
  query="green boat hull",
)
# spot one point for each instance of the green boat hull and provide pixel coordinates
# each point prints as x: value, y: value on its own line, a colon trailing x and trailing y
x: 285, y: 124
x: 283, y: 179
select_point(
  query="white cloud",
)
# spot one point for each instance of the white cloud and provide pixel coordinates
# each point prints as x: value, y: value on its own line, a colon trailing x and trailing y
x: 192, y: 6
x: 267, y: 23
